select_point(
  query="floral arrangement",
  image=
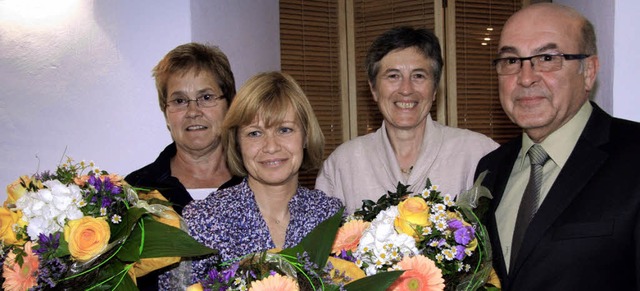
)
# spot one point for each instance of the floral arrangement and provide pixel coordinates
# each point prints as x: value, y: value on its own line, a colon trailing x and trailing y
x: 80, y: 226
x: 439, y: 242
x: 307, y: 266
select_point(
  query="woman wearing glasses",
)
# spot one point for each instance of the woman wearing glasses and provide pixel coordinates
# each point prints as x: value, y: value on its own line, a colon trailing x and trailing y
x: 195, y: 88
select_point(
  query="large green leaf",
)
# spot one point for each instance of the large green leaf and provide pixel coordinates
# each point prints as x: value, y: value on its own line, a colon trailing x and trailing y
x: 162, y: 240
x: 130, y: 251
x: 129, y: 220
x: 318, y: 242
x: 379, y: 281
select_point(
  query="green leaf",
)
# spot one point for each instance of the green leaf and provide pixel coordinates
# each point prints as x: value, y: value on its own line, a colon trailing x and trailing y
x: 129, y: 220
x: 379, y: 281
x: 127, y: 284
x: 130, y: 251
x: 163, y: 240
x: 318, y: 242
x: 63, y: 248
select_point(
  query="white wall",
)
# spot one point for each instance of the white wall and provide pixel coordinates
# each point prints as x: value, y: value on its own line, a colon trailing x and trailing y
x: 601, y: 14
x: 247, y: 31
x: 626, y: 102
x: 76, y: 74
x: 617, y: 28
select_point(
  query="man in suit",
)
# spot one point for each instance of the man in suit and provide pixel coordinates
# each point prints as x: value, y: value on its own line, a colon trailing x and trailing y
x: 584, y: 230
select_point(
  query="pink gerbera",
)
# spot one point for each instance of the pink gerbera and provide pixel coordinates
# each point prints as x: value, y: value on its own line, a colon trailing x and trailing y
x: 18, y: 277
x: 349, y: 235
x: 420, y: 273
x: 276, y: 282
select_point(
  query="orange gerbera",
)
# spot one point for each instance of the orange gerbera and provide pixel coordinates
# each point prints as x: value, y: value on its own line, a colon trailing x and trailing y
x: 349, y: 235
x: 18, y: 277
x: 276, y: 282
x: 420, y: 273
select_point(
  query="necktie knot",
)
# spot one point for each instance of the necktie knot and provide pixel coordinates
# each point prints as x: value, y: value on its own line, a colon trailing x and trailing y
x: 537, y: 155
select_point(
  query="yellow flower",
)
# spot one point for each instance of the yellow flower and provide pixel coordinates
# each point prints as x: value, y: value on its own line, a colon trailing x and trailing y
x: 472, y: 245
x: 276, y: 282
x: 349, y: 269
x: 414, y: 210
x: 15, y: 190
x: 8, y: 218
x: 349, y: 235
x: 494, y: 279
x: 87, y: 237
x: 403, y: 226
x: 195, y: 287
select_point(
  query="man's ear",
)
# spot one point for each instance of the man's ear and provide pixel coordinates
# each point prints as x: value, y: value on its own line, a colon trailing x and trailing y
x: 591, y: 68
x: 373, y: 92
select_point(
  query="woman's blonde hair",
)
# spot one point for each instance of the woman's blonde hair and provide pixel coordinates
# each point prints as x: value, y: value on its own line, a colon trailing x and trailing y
x: 270, y: 95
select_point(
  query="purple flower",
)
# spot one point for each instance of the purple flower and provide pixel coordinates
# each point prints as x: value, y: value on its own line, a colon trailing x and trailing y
x: 464, y: 235
x: 48, y: 243
x: 95, y: 182
x: 49, y: 273
x: 106, y: 202
x: 109, y: 187
x: 346, y: 256
x: 460, y: 254
x: 213, y: 274
x: 455, y: 224
x: 229, y: 273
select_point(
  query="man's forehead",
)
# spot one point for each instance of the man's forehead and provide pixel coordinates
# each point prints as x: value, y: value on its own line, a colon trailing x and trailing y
x: 530, y: 36
x: 521, y: 51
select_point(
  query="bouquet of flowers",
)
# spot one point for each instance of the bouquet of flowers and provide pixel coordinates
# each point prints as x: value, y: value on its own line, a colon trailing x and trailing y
x: 80, y: 227
x: 307, y: 266
x: 439, y: 242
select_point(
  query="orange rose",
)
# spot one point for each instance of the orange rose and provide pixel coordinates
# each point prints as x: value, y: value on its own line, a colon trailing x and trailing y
x: 15, y: 190
x: 87, y: 237
x: 7, y: 219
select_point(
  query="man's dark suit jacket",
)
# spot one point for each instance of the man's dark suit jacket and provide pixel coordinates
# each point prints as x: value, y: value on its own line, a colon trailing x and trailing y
x: 586, y: 233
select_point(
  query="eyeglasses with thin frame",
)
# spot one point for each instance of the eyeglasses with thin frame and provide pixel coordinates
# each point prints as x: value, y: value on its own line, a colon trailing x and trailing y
x: 539, y: 63
x: 204, y: 101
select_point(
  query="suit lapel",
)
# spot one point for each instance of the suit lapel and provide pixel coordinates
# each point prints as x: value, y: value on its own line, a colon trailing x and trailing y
x: 505, y: 165
x: 583, y: 163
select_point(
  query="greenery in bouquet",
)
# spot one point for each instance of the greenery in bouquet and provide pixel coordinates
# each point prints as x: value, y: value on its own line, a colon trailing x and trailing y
x: 307, y: 266
x: 440, y: 243
x: 80, y: 227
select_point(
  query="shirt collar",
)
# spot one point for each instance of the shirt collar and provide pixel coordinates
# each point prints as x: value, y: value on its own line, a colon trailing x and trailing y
x: 560, y: 143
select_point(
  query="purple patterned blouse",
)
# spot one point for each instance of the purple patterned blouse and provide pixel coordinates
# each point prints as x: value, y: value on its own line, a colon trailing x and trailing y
x: 229, y: 220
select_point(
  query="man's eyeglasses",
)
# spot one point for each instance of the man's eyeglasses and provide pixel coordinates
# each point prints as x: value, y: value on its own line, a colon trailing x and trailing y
x: 181, y: 104
x: 539, y: 63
